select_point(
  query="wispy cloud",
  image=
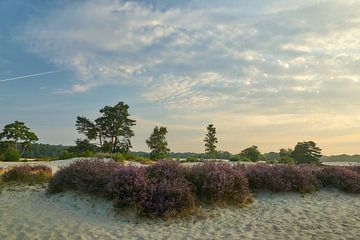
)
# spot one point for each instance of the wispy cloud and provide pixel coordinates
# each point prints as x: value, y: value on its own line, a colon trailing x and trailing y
x: 291, y: 66
x: 269, y: 51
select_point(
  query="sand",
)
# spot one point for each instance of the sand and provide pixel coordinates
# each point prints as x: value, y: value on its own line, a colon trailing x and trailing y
x: 327, y: 214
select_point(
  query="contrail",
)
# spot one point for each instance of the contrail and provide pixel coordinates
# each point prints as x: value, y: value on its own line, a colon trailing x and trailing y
x: 28, y: 76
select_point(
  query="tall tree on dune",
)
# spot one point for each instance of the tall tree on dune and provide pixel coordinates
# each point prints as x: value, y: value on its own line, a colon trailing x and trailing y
x: 158, y: 144
x: 113, y: 129
x: 210, y: 141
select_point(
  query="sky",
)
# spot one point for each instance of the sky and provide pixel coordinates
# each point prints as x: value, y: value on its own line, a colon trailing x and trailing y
x: 269, y: 73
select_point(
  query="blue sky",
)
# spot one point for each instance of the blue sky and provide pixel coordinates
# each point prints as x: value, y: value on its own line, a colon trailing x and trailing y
x: 269, y: 73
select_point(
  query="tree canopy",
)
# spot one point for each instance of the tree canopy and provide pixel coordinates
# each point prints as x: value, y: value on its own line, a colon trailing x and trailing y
x: 113, y: 129
x: 19, y: 135
x: 158, y: 144
x: 251, y: 153
x: 210, y: 141
x: 306, y: 152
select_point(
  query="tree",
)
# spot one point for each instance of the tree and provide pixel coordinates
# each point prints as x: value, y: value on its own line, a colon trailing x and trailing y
x: 113, y: 128
x: 306, y: 152
x: 83, y: 146
x: 286, y: 155
x: 210, y: 141
x: 251, y: 153
x: 158, y: 144
x: 20, y: 135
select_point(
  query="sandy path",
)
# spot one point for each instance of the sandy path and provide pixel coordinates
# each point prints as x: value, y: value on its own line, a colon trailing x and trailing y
x: 327, y: 214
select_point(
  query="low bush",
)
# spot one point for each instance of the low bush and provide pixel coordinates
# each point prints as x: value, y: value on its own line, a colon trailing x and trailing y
x: 118, y: 157
x: 103, y: 155
x: 282, y: 177
x: 90, y: 176
x: 344, y: 178
x: 219, y: 183
x: 355, y: 168
x: 67, y: 155
x: 167, y: 192
x: 239, y: 158
x: 11, y: 155
x: 142, y: 160
x: 164, y: 170
x: 125, y: 185
x: 27, y: 174
x: 167, y: 198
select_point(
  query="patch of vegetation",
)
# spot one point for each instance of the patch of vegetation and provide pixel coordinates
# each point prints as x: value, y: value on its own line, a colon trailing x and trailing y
x: 11, y: 155
x: 164, y: 189
x: 26, y: 174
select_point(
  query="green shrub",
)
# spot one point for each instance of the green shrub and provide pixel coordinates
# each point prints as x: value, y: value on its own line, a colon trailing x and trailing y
x: 27, y: 174
x: 192, y: 159
x: 239, y: 158
x: 67, y: 155
x: 286, y: 160
x: 11, y: 155
x: 87, y: 154
x: 118, y: 157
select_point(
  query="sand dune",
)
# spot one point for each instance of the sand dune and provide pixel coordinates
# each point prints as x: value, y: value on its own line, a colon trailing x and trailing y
x: 328, y: 214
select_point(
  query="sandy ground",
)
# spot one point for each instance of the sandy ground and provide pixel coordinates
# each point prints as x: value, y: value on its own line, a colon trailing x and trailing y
x: 328, y: 214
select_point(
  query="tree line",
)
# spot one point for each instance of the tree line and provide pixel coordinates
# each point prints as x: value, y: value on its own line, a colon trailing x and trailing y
x: 112, y: 131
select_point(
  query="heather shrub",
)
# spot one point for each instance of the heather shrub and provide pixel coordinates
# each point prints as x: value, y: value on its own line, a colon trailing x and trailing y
x: 125, y: 185
x: 11, y: 155
x: 90, y: 176
x: 28, y: 174
x: 164, y: 170
x: 355, y: 168
x: 342, y: 178
x: 282, y: 178
x: 166, y: 198
x: 166, y: 193
x: 219, y: 183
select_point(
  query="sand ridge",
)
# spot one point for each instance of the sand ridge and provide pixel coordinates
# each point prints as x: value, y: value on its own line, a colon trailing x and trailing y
x: 327, y: 214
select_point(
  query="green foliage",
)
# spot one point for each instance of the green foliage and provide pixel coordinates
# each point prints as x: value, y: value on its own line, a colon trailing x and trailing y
x: 118, y: 157
x: 210, y: 141
x: 239, y: 158
x: 306, y: 152
x: 251, y: 153
x: 286, y: 155
x: 158, y: 144
x: 113, y: 128
x: 271, y: 157
x: 83, y: 148
x: 140, y: 157
x: 11, y: 155
x: 20, y: 135
x: 287, y: 159
x: 67, y: 155
x: 192, y: 159
x: 41, y: 151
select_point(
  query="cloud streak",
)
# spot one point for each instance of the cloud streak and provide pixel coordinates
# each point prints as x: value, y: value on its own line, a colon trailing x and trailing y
x: 29, y: 76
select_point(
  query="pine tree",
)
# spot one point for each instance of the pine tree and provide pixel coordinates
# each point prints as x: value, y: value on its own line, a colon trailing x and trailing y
x: 210, y: 141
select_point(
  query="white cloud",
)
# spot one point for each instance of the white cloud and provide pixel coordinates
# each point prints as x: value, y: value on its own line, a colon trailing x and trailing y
x: 204, y: 56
